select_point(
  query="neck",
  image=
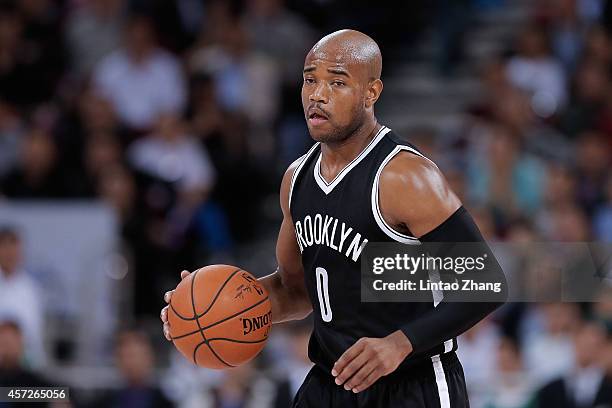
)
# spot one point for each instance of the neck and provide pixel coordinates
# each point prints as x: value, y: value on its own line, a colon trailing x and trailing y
x: 338, y: 154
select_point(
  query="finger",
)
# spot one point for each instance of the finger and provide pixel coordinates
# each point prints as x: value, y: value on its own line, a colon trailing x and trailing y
x: 369, y: 380
x: 163, y: 315
x: 360, y: 375
x: 353, y: 367
x: 167, y: 331
x: 168, y: 296
x: 347, y: 357
x: 184, y: 274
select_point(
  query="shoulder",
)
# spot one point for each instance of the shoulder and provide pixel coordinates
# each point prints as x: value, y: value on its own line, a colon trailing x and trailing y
x: 412, y: 172
x: 288, y: 181
x: 414, y: 193
x: 294, y: 168
x: 290, y: 171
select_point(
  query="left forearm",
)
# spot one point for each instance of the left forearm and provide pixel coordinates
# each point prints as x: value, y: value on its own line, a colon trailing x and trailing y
x: 446, y: 321
x: 454, y: 315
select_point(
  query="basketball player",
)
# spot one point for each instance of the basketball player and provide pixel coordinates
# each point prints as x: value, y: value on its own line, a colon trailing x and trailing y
x: 360, y: 183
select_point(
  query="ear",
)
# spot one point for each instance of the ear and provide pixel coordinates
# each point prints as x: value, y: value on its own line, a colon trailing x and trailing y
x: 373, y: 92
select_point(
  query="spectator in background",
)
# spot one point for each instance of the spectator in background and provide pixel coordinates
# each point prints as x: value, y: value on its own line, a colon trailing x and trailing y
x: 142, y: 230
x: 561, y: 219
x: 568, y: 223
x: 505, y: 177
x: 602, y: 220
x: 593, y: 159
x: 497, y: 88
x: 13, y: 370
x: 20, y: 298
x: 91, y: 114
x: 269, y: 24
x: 136, y: 362
x: 589, y: 91
x: 141, y: 80
x: 32, y: 55
x: 511, y: 386
x: 10, y: 37
x: 102, y: 151
x: 602, y: 312
x: 598, y: 46
x: 567, y: 32
x: 535, y: 71
x: 239, y: 387
x: 451, y: 23
x: 561, y: 187
x: 586, y: 385
x: 548, y: 347
x: 11, y: 133
x: 173, y: 155
x: 37, y: 175
x: 238, y: 73
x: 93, y: 31
x: 298, y: 365
x: 482, y: 339
x: 179, y: 22
x: 224, y: 139
x: 117, y: 188
x: 95, y: 113
x: 224, y: 134
x: 512, y: 107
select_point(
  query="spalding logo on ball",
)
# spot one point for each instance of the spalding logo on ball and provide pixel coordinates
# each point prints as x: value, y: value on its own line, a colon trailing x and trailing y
x: 219, y: 316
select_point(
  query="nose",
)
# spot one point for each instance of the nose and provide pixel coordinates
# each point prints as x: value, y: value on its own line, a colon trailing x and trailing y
x: 319, y: 94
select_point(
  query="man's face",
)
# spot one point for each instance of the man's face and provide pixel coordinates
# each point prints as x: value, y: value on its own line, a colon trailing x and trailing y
x: 333, y: 96
x: 135, y: 359
x: 12, y: 346
x: 10, y: 254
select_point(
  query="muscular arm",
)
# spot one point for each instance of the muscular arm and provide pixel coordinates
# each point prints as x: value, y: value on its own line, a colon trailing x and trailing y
x: 286, y: 286
x: 415, y: 197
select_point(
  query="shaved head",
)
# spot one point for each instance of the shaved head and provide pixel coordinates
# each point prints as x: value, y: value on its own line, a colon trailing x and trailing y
x: 341, y: 85
x: 350, y: 47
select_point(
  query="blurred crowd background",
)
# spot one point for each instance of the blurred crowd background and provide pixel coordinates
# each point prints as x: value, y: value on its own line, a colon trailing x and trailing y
x: 140, y: 138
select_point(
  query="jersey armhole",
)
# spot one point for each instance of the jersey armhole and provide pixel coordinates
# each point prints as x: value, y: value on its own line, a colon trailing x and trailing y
x: 376, y: 212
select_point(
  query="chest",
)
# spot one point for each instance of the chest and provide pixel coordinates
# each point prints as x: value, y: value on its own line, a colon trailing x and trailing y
x: 335, y: 217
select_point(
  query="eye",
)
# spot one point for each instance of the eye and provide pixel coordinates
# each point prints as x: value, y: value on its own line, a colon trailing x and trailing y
x: 337, y: 83
x: 308, y: 80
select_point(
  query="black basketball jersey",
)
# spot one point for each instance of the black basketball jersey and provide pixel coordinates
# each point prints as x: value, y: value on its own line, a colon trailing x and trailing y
x: 333, y: 223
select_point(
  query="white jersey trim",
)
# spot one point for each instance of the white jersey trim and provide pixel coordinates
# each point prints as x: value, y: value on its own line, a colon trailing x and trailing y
x: 328, y: 187
x: 386, y: 228
x: 441, y: 382
x: 438, y: 296
x: 299, y: 168
x: 448, y: 346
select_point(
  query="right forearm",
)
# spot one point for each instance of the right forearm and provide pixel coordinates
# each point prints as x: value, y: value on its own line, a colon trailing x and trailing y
x: 288, y: 303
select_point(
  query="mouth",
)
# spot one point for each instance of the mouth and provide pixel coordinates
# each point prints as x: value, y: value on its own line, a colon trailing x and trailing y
x: 316, y: 117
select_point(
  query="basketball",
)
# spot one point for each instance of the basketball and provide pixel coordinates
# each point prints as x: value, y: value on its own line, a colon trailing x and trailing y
x: 219, y: 316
